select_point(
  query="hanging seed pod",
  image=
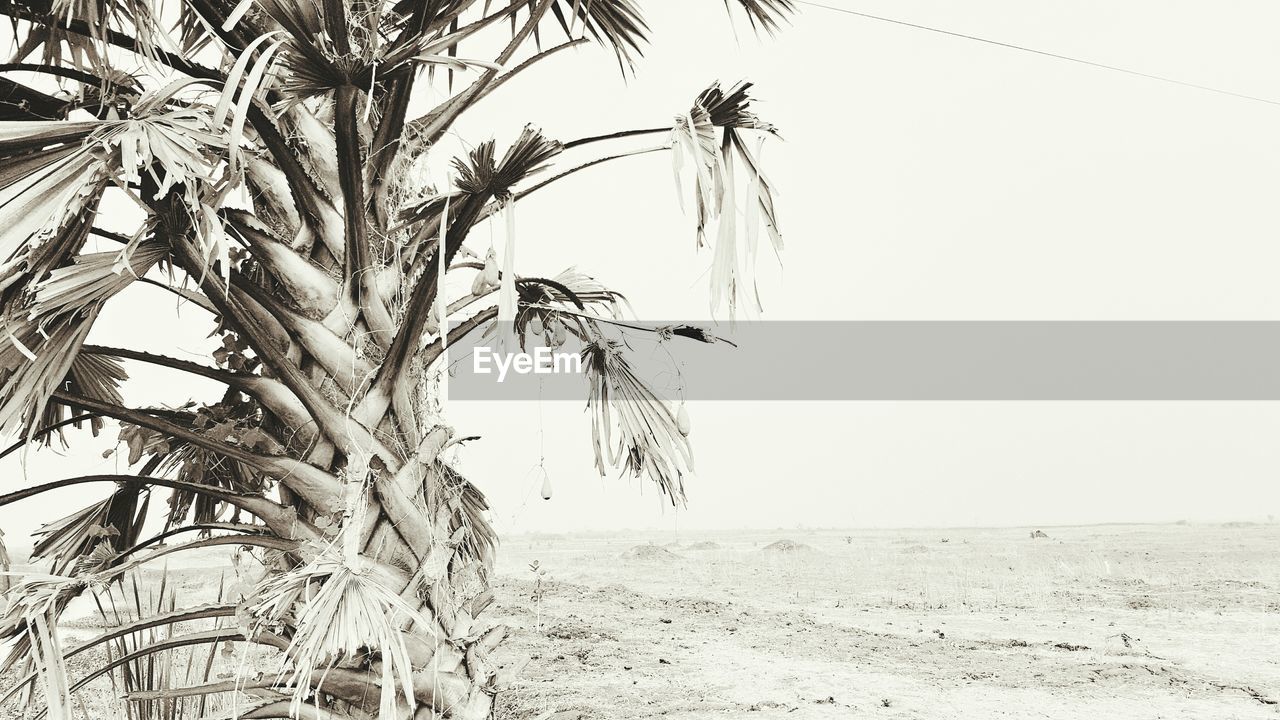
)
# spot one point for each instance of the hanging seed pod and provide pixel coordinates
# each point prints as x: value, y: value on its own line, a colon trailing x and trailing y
x: 546, y: 486
x: 550, y: 330
x: 682, y: 420
x: 559, y: 335
x: 491, y: 268
x: 478, y: 285
x: 535, y: 326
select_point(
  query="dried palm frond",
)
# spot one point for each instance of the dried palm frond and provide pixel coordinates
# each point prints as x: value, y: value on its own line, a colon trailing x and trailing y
x: 34, y: 362
x: 648, y: 437
x: 33, y: 612
x: 341, y: 613
x: 30, y: 620
x: 47, y: 178
x: 59, y: 46
x: 590, y: 293
x: 694, y: 136
x: 199, y: 466
x: 54, y: 171
x: 732, y: 110
x: 39, y: 352
x: 570, y: 289
x: 114, y: 522
x: 93, y: 279
x: 715, y: 191
x: 480, y: 541
x: 93, y: 376
x: 40, y: 259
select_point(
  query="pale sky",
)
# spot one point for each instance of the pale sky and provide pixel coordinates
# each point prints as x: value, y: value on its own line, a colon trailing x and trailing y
x: 922, y: 177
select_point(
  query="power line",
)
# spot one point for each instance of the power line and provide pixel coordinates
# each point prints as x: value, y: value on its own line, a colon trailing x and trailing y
x: 1033, y: 51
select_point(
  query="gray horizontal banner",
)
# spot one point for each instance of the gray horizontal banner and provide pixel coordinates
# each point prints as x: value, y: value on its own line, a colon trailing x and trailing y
x: 908, y: 361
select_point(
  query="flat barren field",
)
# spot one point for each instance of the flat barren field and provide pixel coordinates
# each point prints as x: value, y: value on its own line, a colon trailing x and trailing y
x: 1124, y: 622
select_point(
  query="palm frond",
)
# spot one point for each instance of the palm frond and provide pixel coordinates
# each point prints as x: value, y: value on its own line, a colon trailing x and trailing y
x: 765, y: 15
x: 694, y: 138
x: 591, y: 292
x: 732, y: 109
x: 570, y: 289
x: 716, y: 194
x: 618, y: 24
x: 479, y: 541
x: 630, y: 426
x: 47, y: 178
x: 93, y: 376
x: 137, y: 16
x: 114, y: 523
x: 480, y: 173
x: 41, y: 343
x: 340, y: 612
x: 34, y: 363
x: 31, y: 617
x: 54, y: 171
x: 93, y: 279
x: 202, y: 467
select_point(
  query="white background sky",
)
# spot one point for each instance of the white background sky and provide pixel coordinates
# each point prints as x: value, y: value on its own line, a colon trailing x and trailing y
x: 923, y: 177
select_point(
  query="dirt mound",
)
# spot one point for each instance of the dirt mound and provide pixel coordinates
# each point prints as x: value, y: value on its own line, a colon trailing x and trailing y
x: 649, y: 552
x: 787, y: 546
x: 705, y: 545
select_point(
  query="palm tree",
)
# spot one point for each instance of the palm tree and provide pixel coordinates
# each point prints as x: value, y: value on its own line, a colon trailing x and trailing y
x: 286, y: 182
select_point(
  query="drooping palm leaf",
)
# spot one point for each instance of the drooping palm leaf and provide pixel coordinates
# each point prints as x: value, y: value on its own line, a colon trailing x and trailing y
x: 630, y: 426
x: 717, y: 196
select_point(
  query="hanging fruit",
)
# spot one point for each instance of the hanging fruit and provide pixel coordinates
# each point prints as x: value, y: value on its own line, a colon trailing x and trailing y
x: 559, y: 335
x: 682, y: 420
x: 546, y: 486
x: 535, y: 326
x: 491, y: 268
x: 549, y: 328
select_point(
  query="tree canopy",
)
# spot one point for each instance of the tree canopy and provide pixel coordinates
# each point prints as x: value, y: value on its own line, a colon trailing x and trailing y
x: 291, y: 190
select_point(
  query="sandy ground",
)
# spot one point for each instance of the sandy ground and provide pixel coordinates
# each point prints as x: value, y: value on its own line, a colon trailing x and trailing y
x: 1098, y: 622
x: 1126, y: 622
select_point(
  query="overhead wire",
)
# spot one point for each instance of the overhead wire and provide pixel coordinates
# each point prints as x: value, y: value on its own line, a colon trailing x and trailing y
x: 1034, y: 51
